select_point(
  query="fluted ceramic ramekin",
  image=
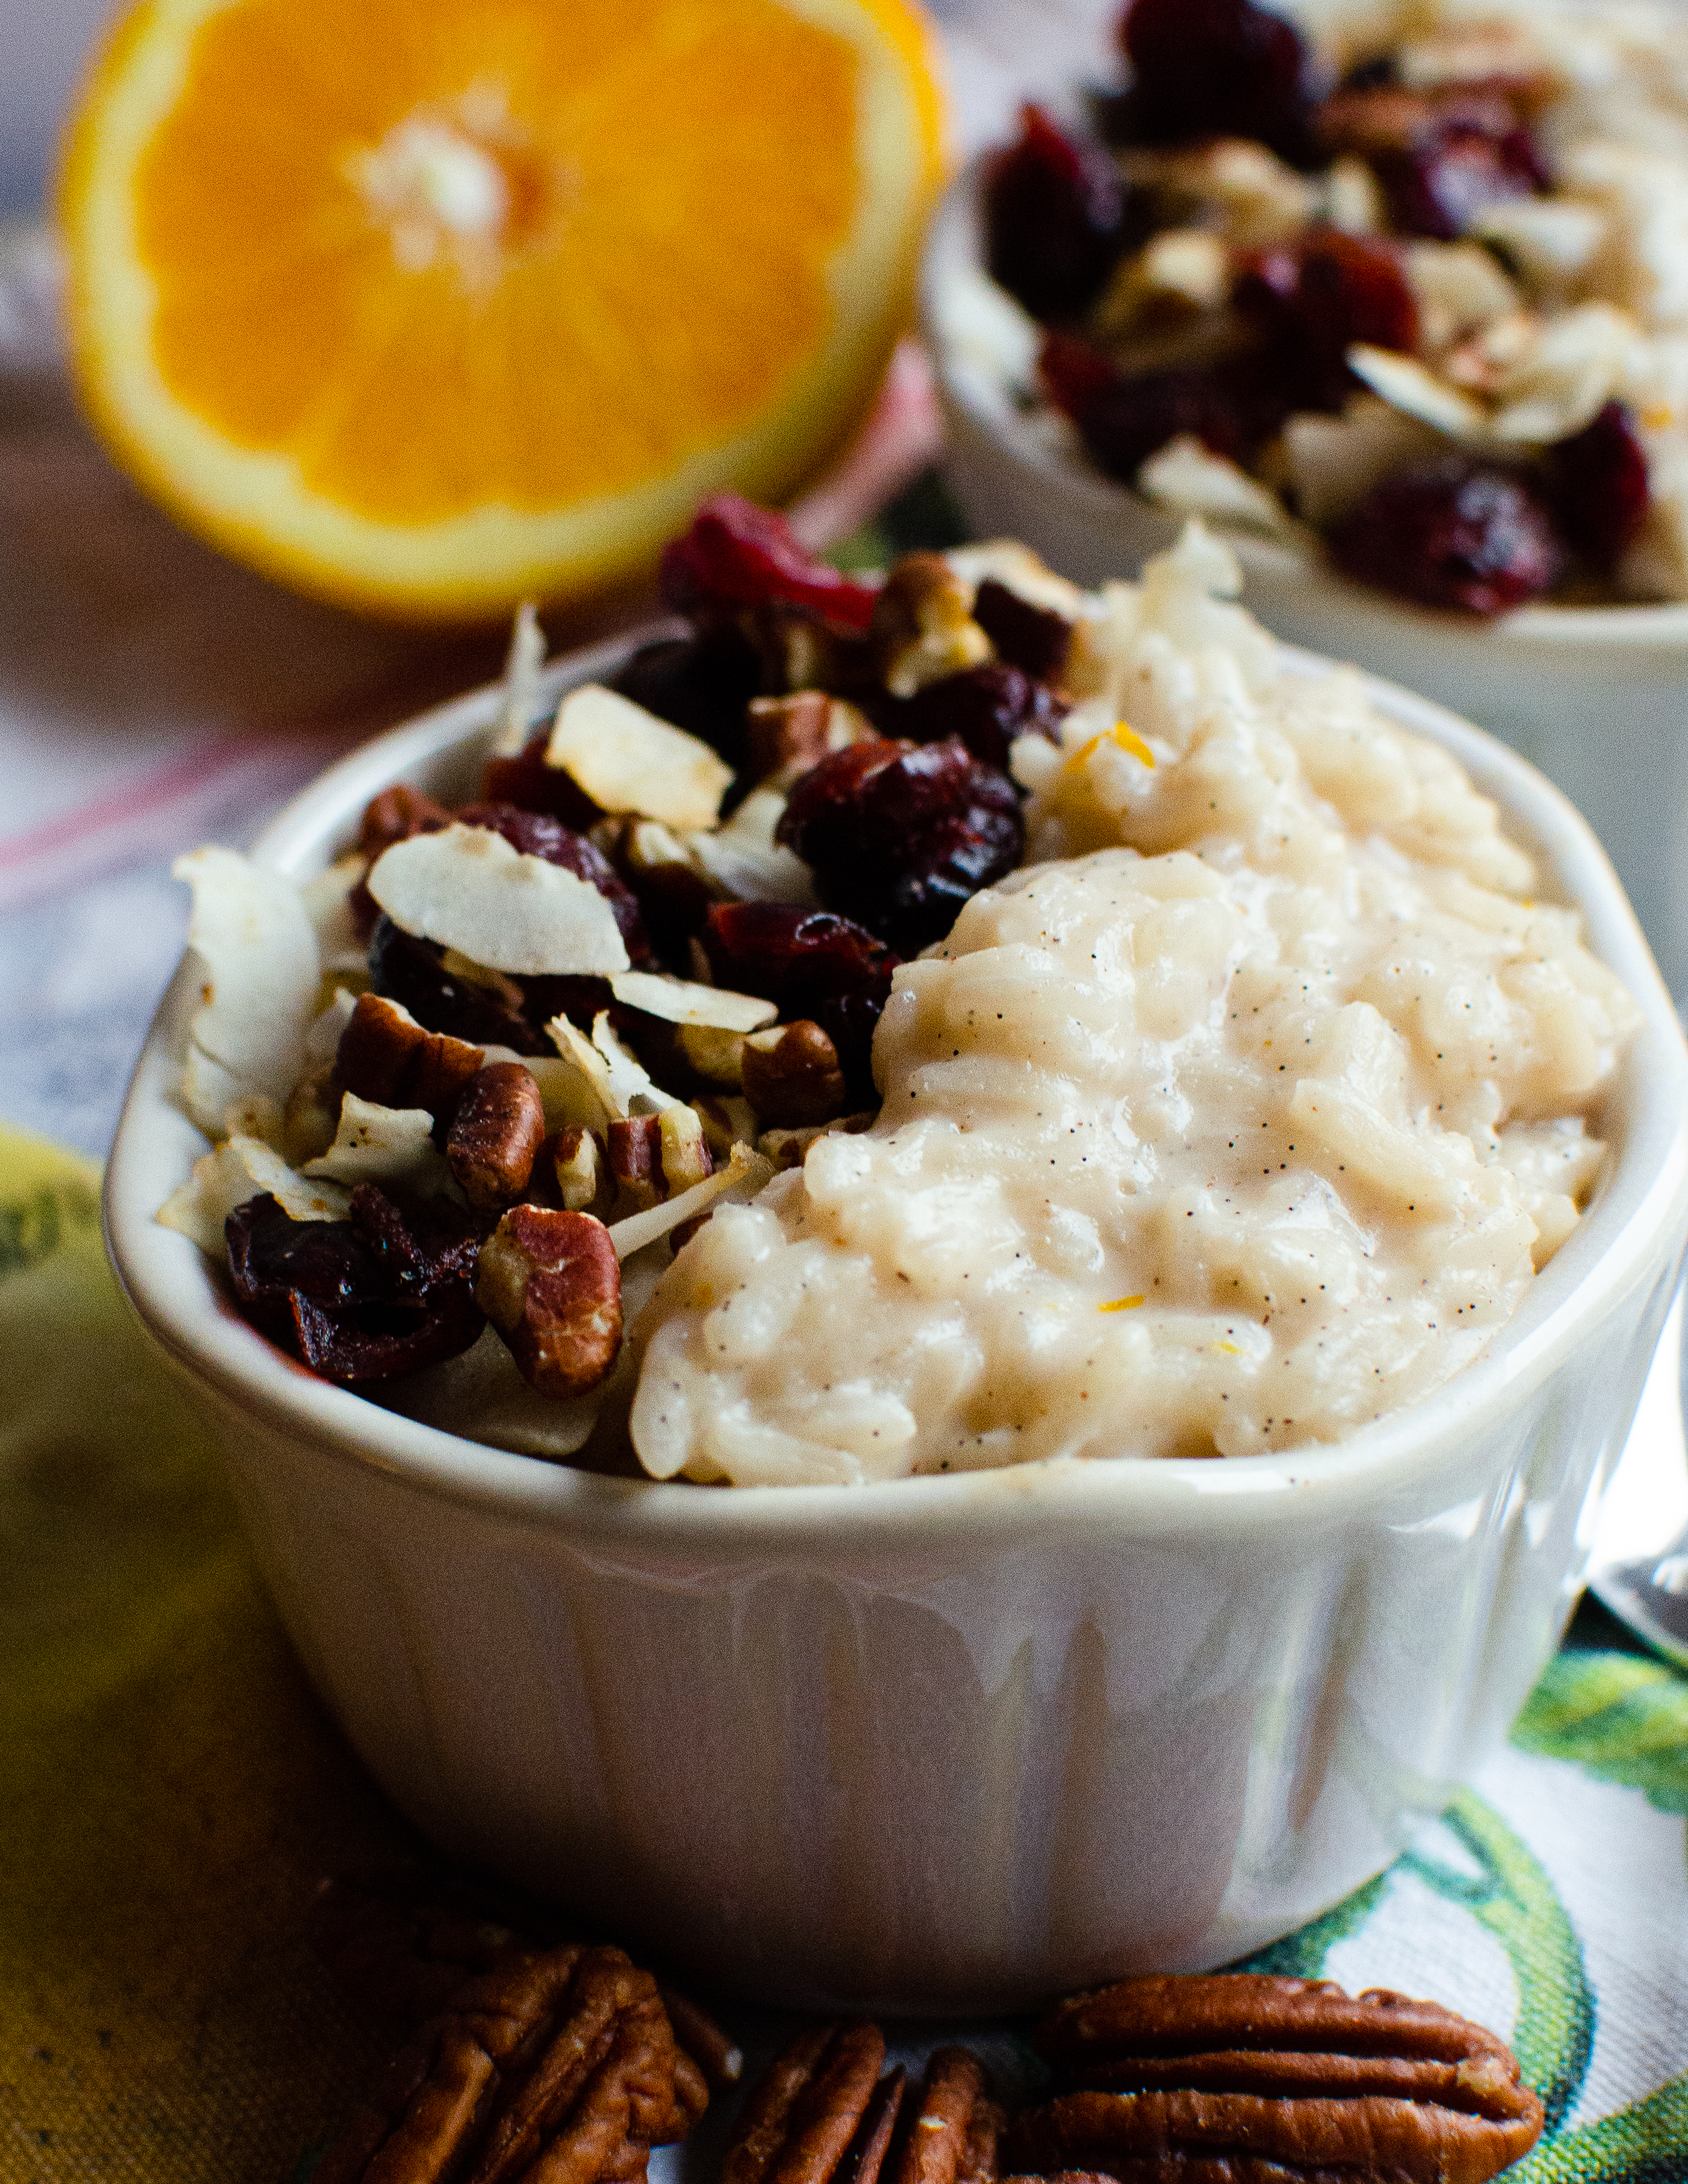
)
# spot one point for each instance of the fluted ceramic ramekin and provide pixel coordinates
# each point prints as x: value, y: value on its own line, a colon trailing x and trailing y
x: 956, y: 1743
x: 1597, y: 697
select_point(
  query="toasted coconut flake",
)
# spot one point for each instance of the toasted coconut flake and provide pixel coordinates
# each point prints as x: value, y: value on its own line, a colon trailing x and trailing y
x: 385, y: 1145
x: 240, y: 1169
x: 526, y: 657
x: 1459, y: 287
x: 1406, y: 385
x: 1581, y: 359
x: 746, y: 1172
x: 743, y: 860
x: 629, y: 1081
x: 678, y: 1001
x: 596, y: 1093
x: 627, y: 760
x: 466, y: 888
x: 1190, y: 479
x: 323, y: 1040
x: 1335, y: 462
x: 261, y: 971
x: 328, y: 898
x: 1552, y: 241
x: 1354, y: 202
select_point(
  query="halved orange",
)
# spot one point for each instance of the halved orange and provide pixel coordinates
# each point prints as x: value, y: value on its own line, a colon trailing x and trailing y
x: 427, y: 305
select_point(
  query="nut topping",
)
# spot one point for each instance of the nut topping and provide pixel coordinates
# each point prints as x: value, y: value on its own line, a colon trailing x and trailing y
x: 496, y: 1134
x: 653, y: 1157
x: 1283, y: 2077
x: 788, y: 735
x: 952, y: 2139
x: 576, y: 1157
x: 560, y: 2065
x: 551, y: 1285
x: 792, y: 1076
x: 800, y: 2122
x: 923, y: 626
x: 387, y: 1056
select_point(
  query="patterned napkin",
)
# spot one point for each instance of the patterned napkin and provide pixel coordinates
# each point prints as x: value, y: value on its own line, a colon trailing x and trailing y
x: 170, y: 1792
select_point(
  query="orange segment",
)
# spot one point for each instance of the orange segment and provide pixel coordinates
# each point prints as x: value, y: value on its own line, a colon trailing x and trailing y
x: 428, y: 304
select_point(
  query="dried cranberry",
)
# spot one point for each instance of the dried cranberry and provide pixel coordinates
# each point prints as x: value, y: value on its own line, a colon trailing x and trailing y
x: 409, y: 970
x: 1053, y: 218
x: 1313, y: 298
x: 899, y: 835
x: 987, y: 707
x: 1437, y: 186
x: 436, y: 1242
x: 525, y: 780
x: 1034, y: 639
x: 1216, y: 68
x: 368, y: 1298
x: 1598, y: 479
x: 1453, y: 533
x: 737, y: 555
x: 808, y: 963
x: 386, y: 1344
x: 1122, y: 421
x: 538, y: 834
x: 702, y: 683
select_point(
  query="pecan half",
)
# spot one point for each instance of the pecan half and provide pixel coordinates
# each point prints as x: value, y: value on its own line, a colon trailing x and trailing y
x: 953, y: 2136
x: 551, y: 1285
x: 496, y: 1134
x: 561, y: 2065
x: 653, y: 1157
x: 1250, y: 2078
x: 804, y: 2117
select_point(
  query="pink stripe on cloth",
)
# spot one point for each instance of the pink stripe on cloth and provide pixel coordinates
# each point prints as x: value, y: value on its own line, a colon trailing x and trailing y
x: 228, y: 784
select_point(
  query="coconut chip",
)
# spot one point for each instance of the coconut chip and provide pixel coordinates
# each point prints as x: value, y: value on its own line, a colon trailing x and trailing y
x: 466, y: 888
x: 743, y: 860
x: 521, y: 699
x: 387, y: 1145
x: 627, y: 759
x: 261, y: 971
x: 1190, y: 479
x: 1406, y: 385
x: 678, y: 1001
x: 240, y: 1169
x: 746, y: 1172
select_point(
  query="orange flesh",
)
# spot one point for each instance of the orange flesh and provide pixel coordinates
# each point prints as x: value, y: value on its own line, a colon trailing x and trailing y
x: 317, y: 193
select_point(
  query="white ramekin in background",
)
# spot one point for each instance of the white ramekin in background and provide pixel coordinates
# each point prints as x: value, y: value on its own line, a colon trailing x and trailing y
x: 1597, y: 697
x: 954, y: 1743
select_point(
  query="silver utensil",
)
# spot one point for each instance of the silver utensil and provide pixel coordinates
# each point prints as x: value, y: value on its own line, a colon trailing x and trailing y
x: 1639, y: 1564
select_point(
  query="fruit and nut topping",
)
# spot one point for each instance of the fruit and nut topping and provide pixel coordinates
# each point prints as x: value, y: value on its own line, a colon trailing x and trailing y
x: 1419, y: 296
x: 1063, y: 1022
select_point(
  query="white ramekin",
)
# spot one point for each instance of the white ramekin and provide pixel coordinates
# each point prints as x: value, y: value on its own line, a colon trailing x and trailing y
x: 954, y: 1743
x: 1597, y: 697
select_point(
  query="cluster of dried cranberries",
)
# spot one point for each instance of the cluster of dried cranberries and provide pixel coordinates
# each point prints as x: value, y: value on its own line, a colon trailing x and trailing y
x: 865, y: 730
x: 529, y: 2060
x: 1241, y: 337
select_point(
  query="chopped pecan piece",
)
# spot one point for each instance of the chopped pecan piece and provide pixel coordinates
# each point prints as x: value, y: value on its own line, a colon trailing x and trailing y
x: 923, y: 626
x: 396, y: 814
x: 1260, y: 2077
x: 559, y: 2066
x: 551, y: 1285
x: 792, y: 1076
x: 953, y: 2137
x: 496, y: 1134
x: 806, y: 2114
x: 386, y: 1056
x: 788, y: 735
x: 574, y: 1162
x: 653, y: 1157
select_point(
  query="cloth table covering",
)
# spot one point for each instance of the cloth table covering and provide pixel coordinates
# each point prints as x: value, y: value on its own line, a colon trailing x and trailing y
x: 170, y: 1791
